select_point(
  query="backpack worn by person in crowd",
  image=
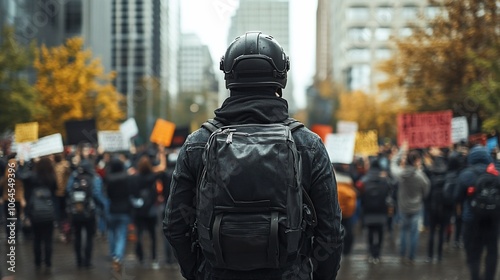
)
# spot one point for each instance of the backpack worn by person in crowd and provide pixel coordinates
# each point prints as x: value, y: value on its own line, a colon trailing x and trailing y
x: 485, y: 194
x: 143, y: 201
x: 376, y: 195
x: 438, y: 207
x: 80, y: 198
x: 252, y: 212
x: 41, y: 206
x: 450, y: 189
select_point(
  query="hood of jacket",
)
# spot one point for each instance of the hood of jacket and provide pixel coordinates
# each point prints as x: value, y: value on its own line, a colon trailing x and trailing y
x: 242, y: 109
x: 479, y: 155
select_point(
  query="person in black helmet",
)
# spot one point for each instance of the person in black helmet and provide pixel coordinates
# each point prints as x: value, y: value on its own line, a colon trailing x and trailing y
x: 255, y: 70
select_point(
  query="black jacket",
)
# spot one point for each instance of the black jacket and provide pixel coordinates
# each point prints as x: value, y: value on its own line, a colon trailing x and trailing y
x: 118, y: 190
x: 317, y: 179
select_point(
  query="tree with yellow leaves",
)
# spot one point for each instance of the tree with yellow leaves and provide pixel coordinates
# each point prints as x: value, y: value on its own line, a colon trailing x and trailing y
x: 433, y: 68
x: 73, y: 86
x: 370, y: 112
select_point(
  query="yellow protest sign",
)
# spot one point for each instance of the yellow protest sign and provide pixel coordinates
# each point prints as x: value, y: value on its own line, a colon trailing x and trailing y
x: 366, y: 143
x: 26, y: 132
x: 163, y: 132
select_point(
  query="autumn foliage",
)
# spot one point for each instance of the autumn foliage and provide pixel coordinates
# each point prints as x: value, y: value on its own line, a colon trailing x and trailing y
x: 73, y: 86
x: 441, y: 65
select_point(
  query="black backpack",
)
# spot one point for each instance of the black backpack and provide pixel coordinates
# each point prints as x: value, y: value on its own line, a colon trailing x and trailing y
x: 436, y: 197
x: 41, y: 206
x: 143, y: 200
x: 251, y: 209
x: 81, y: 202
x: 485, y: 198
x: 376, y: 196
x: 450, y: 188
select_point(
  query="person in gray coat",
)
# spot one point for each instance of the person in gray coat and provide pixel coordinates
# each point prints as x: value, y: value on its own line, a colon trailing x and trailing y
x: 414, y: 186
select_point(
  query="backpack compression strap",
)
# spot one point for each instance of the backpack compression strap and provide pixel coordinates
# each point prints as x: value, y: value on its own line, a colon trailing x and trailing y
x: 212, y: 125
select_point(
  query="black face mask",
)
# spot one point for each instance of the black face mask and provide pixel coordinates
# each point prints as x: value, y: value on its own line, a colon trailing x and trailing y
x: 268, y: 91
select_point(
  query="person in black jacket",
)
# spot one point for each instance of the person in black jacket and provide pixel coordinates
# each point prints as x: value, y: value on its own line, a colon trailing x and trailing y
x: 146, y: 215
x: 255, y: 68
x: 479, y: 233
x: 376, y: 191
x: 44, y: 176
x: 118, y: 190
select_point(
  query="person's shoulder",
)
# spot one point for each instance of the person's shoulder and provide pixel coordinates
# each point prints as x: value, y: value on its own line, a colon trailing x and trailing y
x: 304, y: 135
x: 198, y: 136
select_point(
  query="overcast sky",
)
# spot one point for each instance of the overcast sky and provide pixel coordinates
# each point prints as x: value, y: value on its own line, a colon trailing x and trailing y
x: 210, y: 19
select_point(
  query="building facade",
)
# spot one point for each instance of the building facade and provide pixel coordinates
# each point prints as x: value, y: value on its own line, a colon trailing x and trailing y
x: 272, y: 17
x: 362, y: 30
x: 145, y: 44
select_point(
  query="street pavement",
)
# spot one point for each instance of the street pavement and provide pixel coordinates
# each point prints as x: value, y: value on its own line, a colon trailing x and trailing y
x: 354, y: 266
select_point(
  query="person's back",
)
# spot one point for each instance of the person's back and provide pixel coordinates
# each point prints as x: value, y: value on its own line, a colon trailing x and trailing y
x: 255, y: 99
x: 480, y: 232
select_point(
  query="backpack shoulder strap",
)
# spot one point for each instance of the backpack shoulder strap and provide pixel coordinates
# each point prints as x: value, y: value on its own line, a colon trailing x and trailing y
x: 212, y: 125
x: 293, y: 124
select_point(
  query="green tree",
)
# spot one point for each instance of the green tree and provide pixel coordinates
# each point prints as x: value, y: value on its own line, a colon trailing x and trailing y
x: 16, y: 94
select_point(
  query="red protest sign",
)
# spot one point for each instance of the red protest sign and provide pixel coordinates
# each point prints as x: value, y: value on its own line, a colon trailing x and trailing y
x: 423, y: 130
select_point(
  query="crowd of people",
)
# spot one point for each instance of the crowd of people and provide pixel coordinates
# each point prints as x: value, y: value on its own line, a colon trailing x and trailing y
x: 432, y: 190
x: 74, y: 196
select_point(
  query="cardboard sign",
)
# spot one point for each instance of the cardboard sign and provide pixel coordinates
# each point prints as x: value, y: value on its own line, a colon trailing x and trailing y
x: 322, y: 130
x: 163, y: 132
x: 81, y: 132
x: 47, y: 145
x: 459, y: 129
x: 347, y: 127
x: 26, y: 132
x: 478, y: 139
x: 129, y: 128
x: 113, y: 141
x: 423, y: 130
x: 340, y: 147
x: 366, y: 143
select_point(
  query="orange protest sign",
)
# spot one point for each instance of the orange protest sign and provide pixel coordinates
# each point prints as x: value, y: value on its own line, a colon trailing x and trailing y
x: 163, y: 132
x: 423, y: 130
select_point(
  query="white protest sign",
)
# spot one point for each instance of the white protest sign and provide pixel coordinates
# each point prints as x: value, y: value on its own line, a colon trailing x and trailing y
x: 459, y: 129
x: 340, y: 147
x: 47, y: 145
x: 129, y: 128
x: 23, y: 150
x: 113, y: 141
x: 347, y: 127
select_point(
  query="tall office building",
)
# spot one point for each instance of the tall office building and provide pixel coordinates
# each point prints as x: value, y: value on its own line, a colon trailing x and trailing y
x: 361, y: 32
x: 272, y: 17
x: 197, y: 80
x: 145, y: 42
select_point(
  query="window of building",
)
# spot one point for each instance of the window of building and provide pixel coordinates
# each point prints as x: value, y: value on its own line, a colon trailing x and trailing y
x: 358, y: 13
x: 383, y: 53
x: 382, y: 34
x: 432, y: 12
x: 359, y: 77
x: 410, y: 12
x: 405, y: 32
x: 73, y: 17
x: 384, y: 14
x: 358, y: 54
x: 359, y: 34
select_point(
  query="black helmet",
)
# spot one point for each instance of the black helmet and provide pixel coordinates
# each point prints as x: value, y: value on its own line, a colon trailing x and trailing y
x: 255, y: 60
